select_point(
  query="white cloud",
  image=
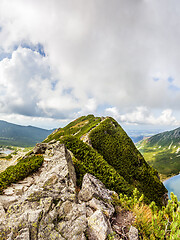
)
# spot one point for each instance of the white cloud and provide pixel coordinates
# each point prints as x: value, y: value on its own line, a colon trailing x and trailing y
x: 90, y: 106
x: 167, y: 118
x: 42, y: 122
x: 26, y: 87
x: 97, y: 53
x: 141, y: 115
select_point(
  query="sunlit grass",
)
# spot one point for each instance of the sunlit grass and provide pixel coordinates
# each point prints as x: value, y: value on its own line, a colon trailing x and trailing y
x: 166, y: 160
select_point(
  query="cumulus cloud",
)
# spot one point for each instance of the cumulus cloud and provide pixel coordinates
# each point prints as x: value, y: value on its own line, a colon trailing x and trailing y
x: 42, y: 122
x: 28, y: 87
x: 142, y: 115
x: 116, y: 53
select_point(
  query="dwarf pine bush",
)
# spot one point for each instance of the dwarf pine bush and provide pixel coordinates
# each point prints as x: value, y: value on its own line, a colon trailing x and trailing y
x: 88, y: 160
x: 118, y: 150
x: 22, y: 169
x: 153, y: 223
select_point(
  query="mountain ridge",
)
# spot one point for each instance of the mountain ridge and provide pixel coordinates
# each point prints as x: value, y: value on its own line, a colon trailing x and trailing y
x: 165, y: 138
x: 17, y: 135
x: 162, y: 151
x: 41, y: 199
x: 113, y: 151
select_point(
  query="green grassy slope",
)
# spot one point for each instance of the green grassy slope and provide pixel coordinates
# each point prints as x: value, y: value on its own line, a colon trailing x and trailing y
x: 165, y: 139
x: 16, y: 135
x: 113, y: 156
x: 162, y: 151
x: 77, y: 128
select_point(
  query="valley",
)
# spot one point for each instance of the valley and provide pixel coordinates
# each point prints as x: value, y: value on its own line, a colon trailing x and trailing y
x: 162, y: 151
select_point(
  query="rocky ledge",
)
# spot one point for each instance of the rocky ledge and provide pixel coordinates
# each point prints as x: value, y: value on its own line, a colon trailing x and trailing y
x: 48, y: 205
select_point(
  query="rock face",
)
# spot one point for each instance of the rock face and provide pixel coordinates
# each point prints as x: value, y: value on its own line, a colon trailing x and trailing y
x: 47, y: 205
x: 133, y: 233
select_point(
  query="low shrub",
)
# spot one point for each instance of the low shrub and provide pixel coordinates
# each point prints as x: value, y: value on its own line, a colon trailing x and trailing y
x: 22, y: 169
x: 87, y: 160
x: 112, y: 142
x: 8, y: 157
x: 153, y: 223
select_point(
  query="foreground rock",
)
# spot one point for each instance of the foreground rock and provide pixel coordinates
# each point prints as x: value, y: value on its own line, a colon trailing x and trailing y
x: 46, y: 205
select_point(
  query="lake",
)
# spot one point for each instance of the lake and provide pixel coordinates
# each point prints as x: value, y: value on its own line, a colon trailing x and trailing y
x: 6, y: 151
x: 173, y: 185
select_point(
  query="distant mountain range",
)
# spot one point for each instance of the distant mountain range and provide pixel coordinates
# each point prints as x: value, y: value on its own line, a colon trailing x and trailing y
x: 162, y: 151
x: 141, y: 134
x: 23, y: 136
x: 165, y: 139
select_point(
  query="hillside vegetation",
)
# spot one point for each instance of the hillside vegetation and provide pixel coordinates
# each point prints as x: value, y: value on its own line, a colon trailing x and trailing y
x: 22, y: 136
x: 22, y: 169
x: 46, y: 190
x: 152, y: 223
x: 112, y: 157
x: 100, y: 146
x: 162, y: 151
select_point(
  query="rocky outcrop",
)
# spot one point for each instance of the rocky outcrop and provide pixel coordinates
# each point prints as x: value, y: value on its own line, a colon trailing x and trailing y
x: 47, y: 204
x: 133, y: 233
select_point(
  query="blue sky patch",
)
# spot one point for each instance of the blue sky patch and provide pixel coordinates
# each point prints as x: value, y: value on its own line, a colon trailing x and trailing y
x: 53, y: 85
x: 101, y: 108
x: 33, y: 47
x: 173, y: 88
x: 170, y: 79
x: 41, y: 49
x: 155, y: 79
x: 37, y: 48
x: 67, y: 91
x: 5, y: 55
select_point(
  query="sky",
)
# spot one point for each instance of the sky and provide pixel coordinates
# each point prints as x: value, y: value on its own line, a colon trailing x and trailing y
x: 61, y: 59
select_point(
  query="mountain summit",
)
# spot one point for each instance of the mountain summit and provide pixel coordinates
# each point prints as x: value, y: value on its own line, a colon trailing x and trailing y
x: 101, y: 147
x: 85, y: 181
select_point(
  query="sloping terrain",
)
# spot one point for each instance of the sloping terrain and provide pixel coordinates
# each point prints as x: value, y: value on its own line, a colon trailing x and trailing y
x: 162, y: 151
x: 48, y: 205
x: 109, y: 154
x: 165, y: 139
x: 22, y: 136
x: 39, y: 198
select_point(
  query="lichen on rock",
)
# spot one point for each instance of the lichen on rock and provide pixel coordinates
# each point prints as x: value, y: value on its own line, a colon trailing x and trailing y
x: 49, y: 206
